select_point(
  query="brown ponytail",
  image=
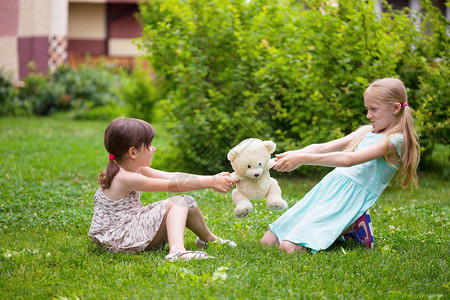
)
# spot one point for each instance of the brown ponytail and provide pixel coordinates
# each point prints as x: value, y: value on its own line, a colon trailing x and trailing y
x: 120, y: 135
x: 105, y: 178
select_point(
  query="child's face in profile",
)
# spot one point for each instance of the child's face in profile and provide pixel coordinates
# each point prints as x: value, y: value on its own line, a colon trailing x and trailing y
x: 382, y: 116
x: 145, y: 155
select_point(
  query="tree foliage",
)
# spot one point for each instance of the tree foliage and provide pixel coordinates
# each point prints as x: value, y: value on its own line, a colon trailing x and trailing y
x: 292, y: 71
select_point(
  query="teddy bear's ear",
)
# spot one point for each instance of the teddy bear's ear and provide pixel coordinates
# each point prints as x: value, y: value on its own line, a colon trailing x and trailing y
x: 232, y: 154
x: 271, y: 146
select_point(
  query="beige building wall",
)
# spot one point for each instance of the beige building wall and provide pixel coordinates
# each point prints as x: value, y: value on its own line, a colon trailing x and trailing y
x: 87, y: 1
x: 87, y: 21
x: 34, y: 18
x: 9, y: 60
x: 123, y: 47
x: 59, y: 14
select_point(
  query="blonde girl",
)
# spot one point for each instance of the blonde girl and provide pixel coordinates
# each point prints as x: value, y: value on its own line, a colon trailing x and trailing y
x: 121, y: 223
x: 365, y: 160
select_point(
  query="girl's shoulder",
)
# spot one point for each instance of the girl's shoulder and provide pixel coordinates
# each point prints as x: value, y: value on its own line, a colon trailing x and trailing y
x: 397, y: 140
x: 364, y: 129
x: 120, y: 186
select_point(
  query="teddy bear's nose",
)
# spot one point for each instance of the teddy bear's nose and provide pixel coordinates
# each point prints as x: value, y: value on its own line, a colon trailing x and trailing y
x: 256, y: 175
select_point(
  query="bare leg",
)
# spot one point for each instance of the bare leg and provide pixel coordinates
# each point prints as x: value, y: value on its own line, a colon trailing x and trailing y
x: 197, y: 225
x: 160, y: 237
x: 269, y: 239
x: 290, y: 247
x: 176, y: 216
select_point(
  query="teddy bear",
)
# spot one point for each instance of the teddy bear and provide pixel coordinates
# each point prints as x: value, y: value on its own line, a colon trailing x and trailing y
x: 251, y: 162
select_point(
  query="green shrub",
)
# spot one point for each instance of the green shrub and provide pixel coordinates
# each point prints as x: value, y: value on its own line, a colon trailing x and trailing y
x: 141, y: 93
x: 89, y: 92
x: 426, y: 71
x: 105, y: 113
x: 67, y: 89
x: 41, y: 96
x: 9, y: 101
x: 88, y: 86
x: 205, y: 79
x: 293, y: 71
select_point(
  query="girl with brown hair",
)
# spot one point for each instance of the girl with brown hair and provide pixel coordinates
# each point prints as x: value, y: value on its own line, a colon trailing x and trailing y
x: 121, y: 223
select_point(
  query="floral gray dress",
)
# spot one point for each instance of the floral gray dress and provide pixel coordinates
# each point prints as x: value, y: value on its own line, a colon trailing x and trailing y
x: 125, y: 225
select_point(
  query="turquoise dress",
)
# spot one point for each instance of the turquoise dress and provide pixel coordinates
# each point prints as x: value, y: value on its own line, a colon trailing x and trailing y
x: 337, y: 201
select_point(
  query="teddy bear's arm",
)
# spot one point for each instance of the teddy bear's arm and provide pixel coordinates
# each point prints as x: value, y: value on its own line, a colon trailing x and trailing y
x: 272, y: 163
x: 235, y: 176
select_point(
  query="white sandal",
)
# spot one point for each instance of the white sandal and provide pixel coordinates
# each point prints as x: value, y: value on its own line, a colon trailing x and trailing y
x: 187, y: 255
x: 205, y: 245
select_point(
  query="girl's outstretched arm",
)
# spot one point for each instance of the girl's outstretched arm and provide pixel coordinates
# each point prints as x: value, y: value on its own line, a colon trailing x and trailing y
x: 154, y: 173
x: 289, y: 158
x: 170, y: 182
x: 289, y: 161
x: 332, y: 146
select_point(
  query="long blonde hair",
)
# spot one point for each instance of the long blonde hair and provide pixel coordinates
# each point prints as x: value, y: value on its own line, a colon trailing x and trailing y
x: 391, y: 91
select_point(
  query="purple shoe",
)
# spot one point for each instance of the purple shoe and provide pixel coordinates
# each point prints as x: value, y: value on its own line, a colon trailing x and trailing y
x: 362, y: 231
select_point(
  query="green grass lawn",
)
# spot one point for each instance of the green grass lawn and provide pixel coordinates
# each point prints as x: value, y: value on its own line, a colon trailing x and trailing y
x: 47, y: 181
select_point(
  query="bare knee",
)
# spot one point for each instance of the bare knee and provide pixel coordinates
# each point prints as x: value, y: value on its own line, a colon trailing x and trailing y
x: 176, y: 204
x: 177, y: 201
x: 290, y: 247
x: 269, y: 239
x: 182, y: 201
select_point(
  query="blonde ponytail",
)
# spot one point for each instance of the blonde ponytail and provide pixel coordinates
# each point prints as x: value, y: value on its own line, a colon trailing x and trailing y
x: 410, y: 150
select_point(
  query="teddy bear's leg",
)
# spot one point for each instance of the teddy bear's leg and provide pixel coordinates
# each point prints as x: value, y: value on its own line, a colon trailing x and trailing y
x: 243, y: 205
x: 273, y: 197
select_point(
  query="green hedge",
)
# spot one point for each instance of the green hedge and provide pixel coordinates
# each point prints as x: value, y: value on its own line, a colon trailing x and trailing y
x: 67, y: 89
x: 292, y: 71
x: 9, y: 102
x: 88, y: 92
x: 141, y: 93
